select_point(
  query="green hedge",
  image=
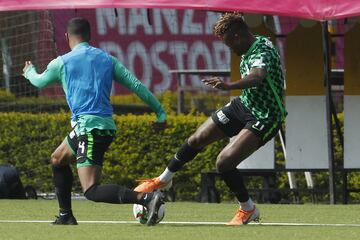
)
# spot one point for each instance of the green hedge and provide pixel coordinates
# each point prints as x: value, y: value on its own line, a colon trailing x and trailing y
x: 27, y: 140
x: 198, y: 102
x: 6, y: 96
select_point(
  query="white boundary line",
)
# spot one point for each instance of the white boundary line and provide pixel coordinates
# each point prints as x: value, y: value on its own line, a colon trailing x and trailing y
x: 198, y: 223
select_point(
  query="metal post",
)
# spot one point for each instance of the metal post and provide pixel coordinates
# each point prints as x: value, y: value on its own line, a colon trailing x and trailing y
x: 327, y: 82
x: 344, y: 187
x: 6, y: 64
x: 180, y: 97
x: 290, y: 175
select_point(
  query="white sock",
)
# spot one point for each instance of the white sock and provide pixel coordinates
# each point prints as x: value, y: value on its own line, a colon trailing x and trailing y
x: 247, y: 206
x: 166, y: 176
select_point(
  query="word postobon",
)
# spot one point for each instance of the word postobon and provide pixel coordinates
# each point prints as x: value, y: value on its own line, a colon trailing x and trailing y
x: 157, y: 59
x: 176, y: 39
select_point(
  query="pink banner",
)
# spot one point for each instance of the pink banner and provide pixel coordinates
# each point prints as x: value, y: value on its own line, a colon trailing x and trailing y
x: 319, y: 9
x: 151, y: 45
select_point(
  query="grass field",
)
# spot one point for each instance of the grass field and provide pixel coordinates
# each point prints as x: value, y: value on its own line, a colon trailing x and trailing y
x: 44, y: 210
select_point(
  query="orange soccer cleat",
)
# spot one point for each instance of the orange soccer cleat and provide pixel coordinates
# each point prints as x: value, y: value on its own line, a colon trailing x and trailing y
x: 149, y: 185
x: 244, y: 217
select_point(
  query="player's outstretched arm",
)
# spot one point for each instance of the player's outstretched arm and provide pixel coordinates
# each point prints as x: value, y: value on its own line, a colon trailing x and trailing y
x: 255, y: 78
x: 49, y: 76
x: 123, y: 76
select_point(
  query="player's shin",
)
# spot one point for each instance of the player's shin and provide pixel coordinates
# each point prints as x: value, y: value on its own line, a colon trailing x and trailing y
x: 235, y: 182
x: 185, y: 154
x: 63, y: 180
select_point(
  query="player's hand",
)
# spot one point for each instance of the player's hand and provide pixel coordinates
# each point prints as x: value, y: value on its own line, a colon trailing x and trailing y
x: 216, y: 82
x: 159, y: 126
x: 27, y: 65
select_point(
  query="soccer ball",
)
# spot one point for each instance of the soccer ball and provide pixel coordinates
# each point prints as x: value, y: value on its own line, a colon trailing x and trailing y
x: 141, y: 213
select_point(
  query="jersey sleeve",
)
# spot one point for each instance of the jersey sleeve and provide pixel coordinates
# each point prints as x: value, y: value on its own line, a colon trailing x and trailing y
x: 51, y: 75
x: 123, y: 76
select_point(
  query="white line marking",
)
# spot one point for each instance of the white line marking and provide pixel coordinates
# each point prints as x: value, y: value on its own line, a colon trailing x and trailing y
x: 309, y: 224
x: 198, y: 223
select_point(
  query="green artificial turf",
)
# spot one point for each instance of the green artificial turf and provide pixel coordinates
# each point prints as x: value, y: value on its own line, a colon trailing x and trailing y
x: 45, y: 210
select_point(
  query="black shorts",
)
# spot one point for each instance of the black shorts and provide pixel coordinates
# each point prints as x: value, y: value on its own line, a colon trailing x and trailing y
x: 234, y: 117
x: 90, y: 148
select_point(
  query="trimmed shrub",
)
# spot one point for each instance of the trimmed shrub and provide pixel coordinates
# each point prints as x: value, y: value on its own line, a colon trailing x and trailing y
x: 27, y: 141
x: 6, y: 96
x: 199, y: 102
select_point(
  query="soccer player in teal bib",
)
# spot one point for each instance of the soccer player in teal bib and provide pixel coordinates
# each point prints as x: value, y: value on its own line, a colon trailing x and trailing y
x: 251, y: 119
x: 86, y: 74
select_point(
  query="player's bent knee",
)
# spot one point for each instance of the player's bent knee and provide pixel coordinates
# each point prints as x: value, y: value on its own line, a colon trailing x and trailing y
x: 58, y: 159
x: 192, y: 141
x: 55, y: 160
x: 224, y: 163
x: 195, y: 141
x: 91, y: 194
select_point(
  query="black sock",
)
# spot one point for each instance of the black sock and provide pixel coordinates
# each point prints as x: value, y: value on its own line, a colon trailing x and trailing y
x: 184, y: 155
x: 63, y: 180
x: 235, y: 182
x: 112, y: 193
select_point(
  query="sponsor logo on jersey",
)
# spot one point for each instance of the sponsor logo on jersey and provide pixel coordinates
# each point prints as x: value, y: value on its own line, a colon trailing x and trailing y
x: 269, y: 43
x: 258, y: 63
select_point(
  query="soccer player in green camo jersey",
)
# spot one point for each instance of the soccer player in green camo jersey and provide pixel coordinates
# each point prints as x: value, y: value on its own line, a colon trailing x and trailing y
x: 251, y: 119
x: 86, y: 74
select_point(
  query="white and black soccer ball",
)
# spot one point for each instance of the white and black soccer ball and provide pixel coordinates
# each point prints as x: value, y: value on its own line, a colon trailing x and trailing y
x: 141, y: 213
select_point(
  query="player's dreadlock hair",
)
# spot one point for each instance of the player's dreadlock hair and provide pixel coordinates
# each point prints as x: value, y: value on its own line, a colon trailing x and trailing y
x: 227, y: 22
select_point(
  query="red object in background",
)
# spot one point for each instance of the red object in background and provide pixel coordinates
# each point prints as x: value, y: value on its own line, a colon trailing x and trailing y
x: 175, y: 39
x: 319, y: 9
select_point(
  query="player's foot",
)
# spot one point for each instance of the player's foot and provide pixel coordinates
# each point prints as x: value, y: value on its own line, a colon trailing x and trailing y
x: 153, y: 206
x: 65, y: 219
x: 244, y: 217
x: 152, y: 184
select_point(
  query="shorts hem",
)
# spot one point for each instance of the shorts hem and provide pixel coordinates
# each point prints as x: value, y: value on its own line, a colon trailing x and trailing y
x: 68, y: 144
x: 87, y: 163
x: 223, y: 128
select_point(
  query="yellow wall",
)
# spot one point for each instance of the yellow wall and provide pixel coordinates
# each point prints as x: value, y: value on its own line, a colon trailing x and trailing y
x: 304, y: 62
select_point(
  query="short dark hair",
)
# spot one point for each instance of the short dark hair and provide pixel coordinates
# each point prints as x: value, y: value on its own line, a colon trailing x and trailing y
x: 233, y: 22
x: 79, y: 26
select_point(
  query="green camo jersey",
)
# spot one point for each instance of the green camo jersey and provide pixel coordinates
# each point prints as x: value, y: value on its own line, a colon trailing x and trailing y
x: 266, y: 100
